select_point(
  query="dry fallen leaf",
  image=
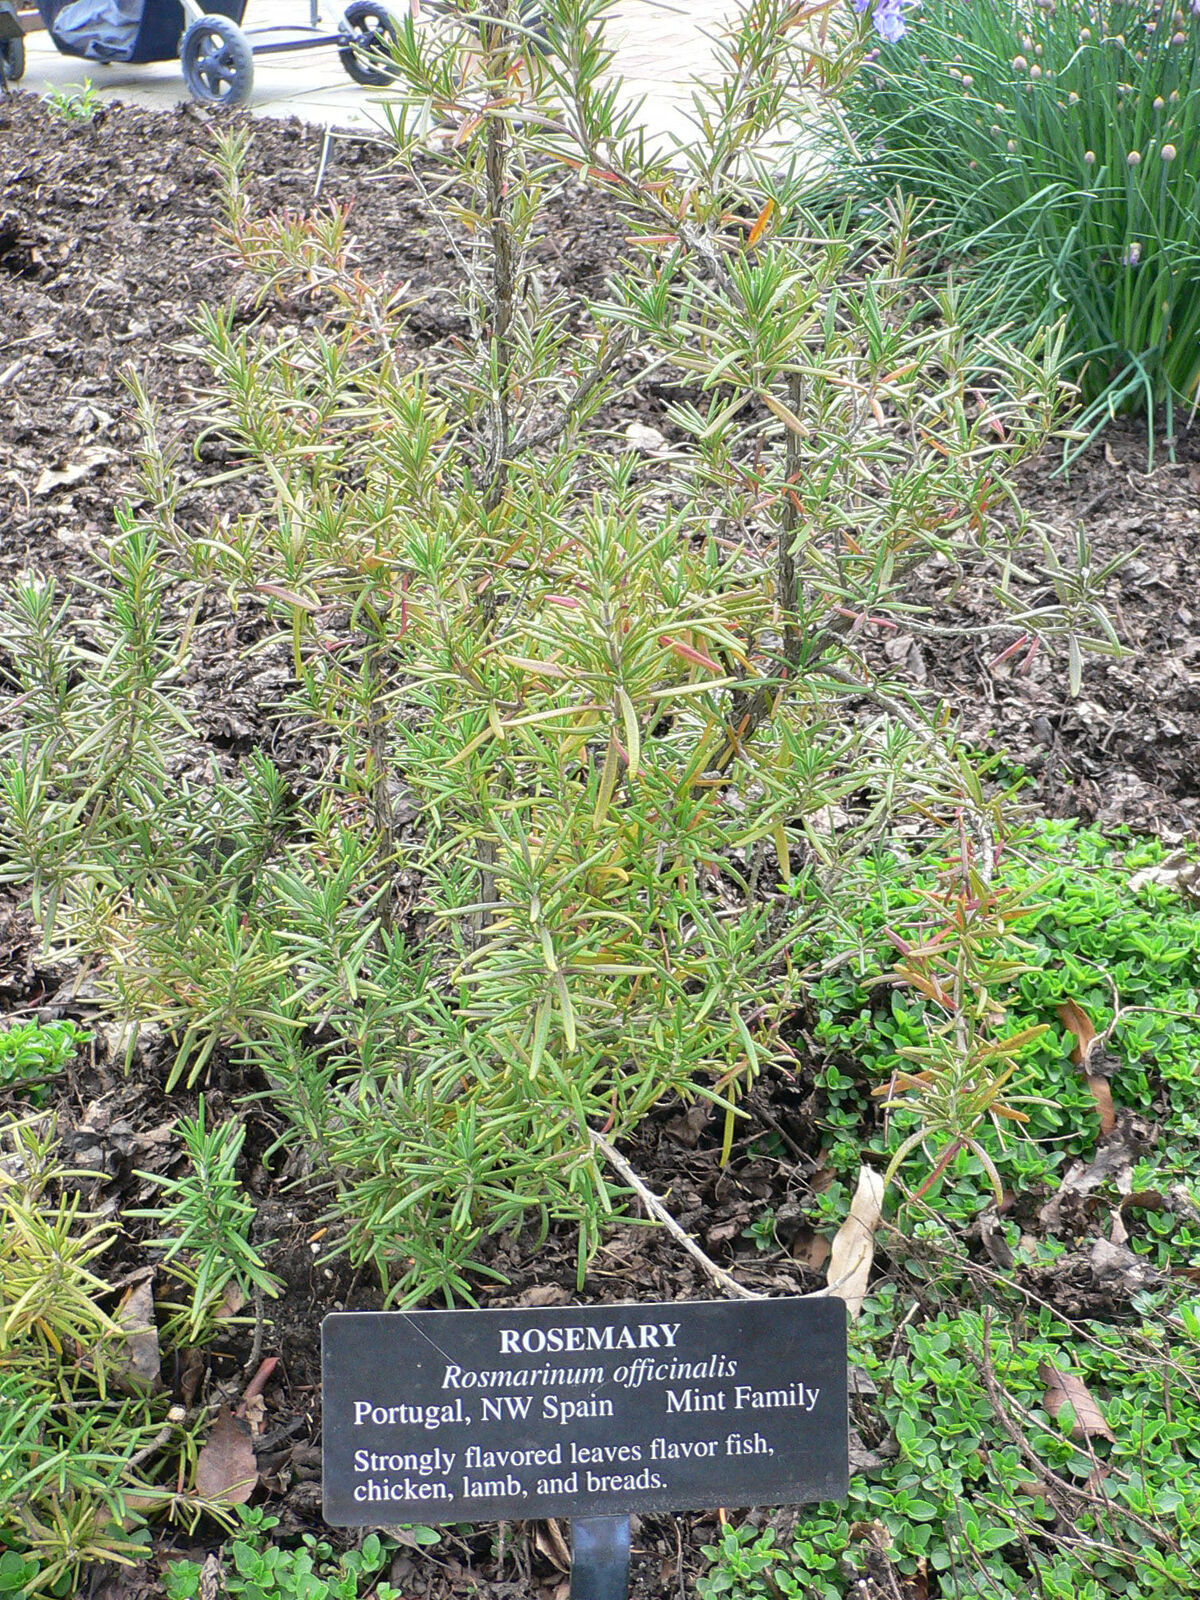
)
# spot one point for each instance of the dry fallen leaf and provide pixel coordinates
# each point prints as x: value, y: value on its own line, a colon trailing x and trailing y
x: 191, y: 1371
x: 254, y: 1413
x: 810, y: 1249
x: 232, y: 1302
x: 1076, y: 1020
x: 853, y: 1248
x: 75, y: 471
x: 1101, y: 1093
x: 140, y: 1363
x: 648, y: 440
x: 1066, y: 1388
x: 1177, y: 872
x: 545, y: 1294
x: 210, y: 1577
x: 549, y: 1540
x: 226, y: 1469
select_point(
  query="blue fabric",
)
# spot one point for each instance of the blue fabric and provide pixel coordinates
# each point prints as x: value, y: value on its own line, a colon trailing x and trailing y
x: 100, y: 30
x: 156, y: 38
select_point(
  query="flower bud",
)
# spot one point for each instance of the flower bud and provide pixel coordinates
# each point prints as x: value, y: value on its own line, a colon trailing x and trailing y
x: 1019, y: 63
x: 1159, y: 102
x: 1089, y: 158
x: 1035, y: 71
x: 1012, y: 147
x: 1134, y: 158
x: 1178, y: 38
x: 1084, y: 35
x: 967, y: 80
x: 1168, y: 152
x: 1072, y: 98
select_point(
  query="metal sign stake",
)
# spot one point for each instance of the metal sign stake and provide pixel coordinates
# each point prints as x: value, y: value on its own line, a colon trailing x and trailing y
x: 599, y: 1558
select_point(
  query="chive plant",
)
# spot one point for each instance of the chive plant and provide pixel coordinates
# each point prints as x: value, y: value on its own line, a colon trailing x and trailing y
x: 1054, y: 151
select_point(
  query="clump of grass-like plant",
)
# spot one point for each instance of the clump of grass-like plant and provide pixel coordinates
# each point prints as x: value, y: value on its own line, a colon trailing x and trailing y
x: 1055, y: 150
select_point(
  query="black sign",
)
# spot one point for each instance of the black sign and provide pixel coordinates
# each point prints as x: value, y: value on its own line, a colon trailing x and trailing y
x: 583, y: 1411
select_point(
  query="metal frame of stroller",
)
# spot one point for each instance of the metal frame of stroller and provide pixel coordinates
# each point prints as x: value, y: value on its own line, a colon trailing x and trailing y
x: 215, y: 53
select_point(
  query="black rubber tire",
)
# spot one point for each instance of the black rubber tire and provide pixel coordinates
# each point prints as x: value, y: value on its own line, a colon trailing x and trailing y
x: 374, y: 30
x: 218, y: 64
x: 12, y: 60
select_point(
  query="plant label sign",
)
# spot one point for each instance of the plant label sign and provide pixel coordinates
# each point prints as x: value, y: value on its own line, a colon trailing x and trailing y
x: 583, y: 1411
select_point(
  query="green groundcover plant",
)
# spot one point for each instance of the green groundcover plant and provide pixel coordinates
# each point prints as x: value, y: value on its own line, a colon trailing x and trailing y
x: 1089, y: 938
x: 976, y: 1490
x: 970, y: 1485
x: 255, y: 1567
x: 1053, y: 148
x: 32, y: 1054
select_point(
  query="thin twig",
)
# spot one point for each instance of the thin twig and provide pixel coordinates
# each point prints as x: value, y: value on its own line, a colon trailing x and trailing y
x: 660, y: 1213
x: 159, y: 1442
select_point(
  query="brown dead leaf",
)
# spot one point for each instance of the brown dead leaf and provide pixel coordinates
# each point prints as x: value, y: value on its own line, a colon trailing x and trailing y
x: 1177, y: 872
x: 75, y: 471
x: 853, y: 1249
x: 191, y: 1371
x: 1101, y: 1093
x: 226, y: 1469
x: 1096, y: 1073
x: 210, y: 1577
x: 545, y: 1294
x: 810, y: 1249
x: 232, y: 1302
x: 994, y: 1241
x: 1076, y: 1020
x: 1067, y: 1388
x: 549, y: 1540
x: 254, y: 1413
x: 140, y: 1362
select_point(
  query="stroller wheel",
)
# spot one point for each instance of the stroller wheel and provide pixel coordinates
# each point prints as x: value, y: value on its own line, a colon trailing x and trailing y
x: 372, y: 28
x: 218, y: 64
x: 12, y: 60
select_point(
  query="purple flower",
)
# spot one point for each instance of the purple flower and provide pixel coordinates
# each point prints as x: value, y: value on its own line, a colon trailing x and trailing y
x: 887, y: 16
x: 889, y: 21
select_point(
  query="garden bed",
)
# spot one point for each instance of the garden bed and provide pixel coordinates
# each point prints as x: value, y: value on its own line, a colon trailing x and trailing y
x: 108, y: 245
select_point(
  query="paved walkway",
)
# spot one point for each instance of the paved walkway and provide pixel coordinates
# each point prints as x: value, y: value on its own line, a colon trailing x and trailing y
x: 660, y: 47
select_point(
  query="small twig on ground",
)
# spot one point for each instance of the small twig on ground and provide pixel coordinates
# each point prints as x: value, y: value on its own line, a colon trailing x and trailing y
x: 660, y: 1213
x: 159, y: 1442
x: 256, y: 1346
